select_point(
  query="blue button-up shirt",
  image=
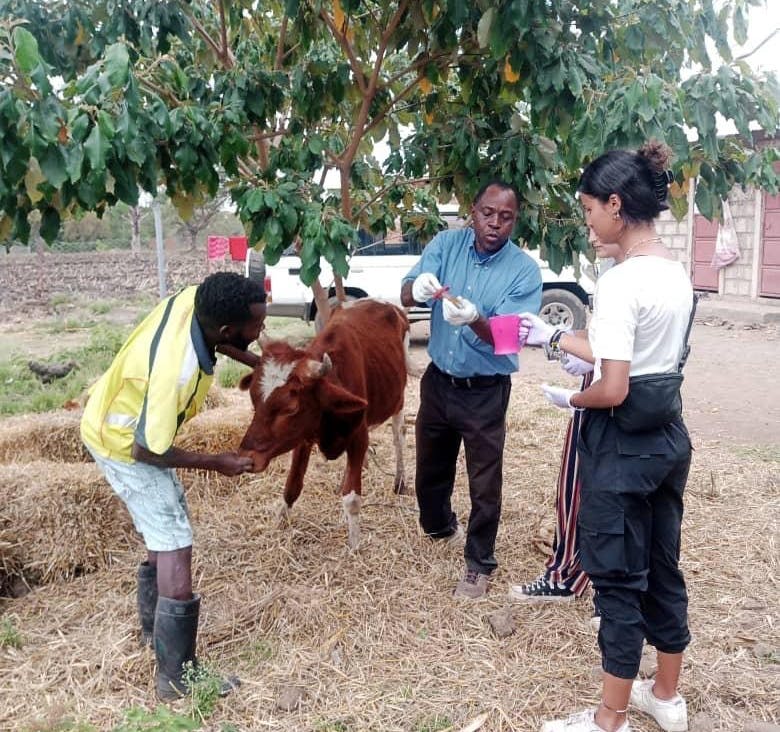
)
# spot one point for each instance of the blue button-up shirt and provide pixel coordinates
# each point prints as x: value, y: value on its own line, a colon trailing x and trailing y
x: 508, y: 281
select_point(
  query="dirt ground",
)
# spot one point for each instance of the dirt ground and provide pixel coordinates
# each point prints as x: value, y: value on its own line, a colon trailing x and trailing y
x: 372, y: 640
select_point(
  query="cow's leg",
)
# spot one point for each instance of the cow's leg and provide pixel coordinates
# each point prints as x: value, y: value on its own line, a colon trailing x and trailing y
x: 399, y: 433
x: 352, y: 485
x: 294, y: 483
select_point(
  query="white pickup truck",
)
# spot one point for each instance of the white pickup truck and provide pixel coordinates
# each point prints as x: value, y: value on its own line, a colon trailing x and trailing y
x: 376, y: 270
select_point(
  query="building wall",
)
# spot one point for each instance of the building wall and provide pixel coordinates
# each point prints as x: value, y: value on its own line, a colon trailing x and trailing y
x: 737, y: 279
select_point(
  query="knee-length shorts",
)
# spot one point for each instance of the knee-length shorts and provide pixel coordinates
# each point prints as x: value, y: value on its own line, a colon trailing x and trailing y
x: 155, y: 499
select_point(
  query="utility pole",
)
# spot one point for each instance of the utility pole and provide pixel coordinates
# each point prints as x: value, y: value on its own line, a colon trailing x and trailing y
x: 158, y: 233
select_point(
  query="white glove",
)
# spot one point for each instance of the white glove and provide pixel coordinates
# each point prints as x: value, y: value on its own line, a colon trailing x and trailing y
x: 575, y: 366
x: 425, y: 287
x: 539, y: 332
x: 558, y: 396
x: 523, y: 330
x: 463, y: 313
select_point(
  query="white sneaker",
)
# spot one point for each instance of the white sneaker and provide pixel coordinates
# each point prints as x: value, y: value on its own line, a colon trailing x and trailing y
x: 580, y: 722
x: 671, y: 715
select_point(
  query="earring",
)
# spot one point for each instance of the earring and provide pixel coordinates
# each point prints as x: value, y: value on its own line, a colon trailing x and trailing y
x: 616, y: 215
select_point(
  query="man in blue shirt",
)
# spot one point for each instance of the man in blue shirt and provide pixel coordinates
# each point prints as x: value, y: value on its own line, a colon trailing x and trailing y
x: 464, y: 393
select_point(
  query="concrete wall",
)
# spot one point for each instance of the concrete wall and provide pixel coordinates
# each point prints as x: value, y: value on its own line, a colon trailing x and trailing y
x: 739, y: 279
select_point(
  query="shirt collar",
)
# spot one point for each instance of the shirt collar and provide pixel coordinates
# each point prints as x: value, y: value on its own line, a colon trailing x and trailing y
x: 205, y: 358
x: 480, y: 259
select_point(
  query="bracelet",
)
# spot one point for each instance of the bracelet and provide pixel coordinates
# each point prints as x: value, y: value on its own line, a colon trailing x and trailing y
x: 555, y: 340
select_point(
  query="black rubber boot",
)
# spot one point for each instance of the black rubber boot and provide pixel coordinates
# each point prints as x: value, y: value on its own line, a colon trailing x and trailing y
x: 147, y: 600
x: 175, y: 636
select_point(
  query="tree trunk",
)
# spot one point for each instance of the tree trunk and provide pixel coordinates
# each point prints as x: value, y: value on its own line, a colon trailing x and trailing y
x: 135, y: 229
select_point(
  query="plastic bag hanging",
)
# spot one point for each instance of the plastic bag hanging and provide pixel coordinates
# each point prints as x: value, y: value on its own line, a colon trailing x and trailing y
x: 726, y: 245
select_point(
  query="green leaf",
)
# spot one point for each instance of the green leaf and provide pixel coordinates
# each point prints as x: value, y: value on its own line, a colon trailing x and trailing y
x: 255, y: 200
x: 74, y: 159
x: 117, y: 64
x: 96, y: 146
x: 50, y: 224
x: 53, y: 167
x: 25, y: 49
x: 483, y: 27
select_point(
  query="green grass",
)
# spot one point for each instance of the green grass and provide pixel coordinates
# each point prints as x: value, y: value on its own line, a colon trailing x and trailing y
x: 204, y: 686
x: 23, y: 392
x: 162, y: 719
x: 436, y: 723
x: 229, y: 373
x: 9, y: 635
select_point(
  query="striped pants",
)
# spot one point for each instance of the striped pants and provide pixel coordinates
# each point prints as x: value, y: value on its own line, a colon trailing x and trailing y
x: 563, y: 565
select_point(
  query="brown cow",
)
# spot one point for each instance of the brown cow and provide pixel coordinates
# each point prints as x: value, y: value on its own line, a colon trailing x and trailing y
x: 351, y: 377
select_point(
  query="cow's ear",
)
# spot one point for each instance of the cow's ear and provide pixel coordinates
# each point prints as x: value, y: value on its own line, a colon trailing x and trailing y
x: 245, y: 382
x: 336, y: 399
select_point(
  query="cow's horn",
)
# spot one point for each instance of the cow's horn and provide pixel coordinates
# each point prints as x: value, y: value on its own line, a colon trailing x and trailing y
x: 317, y: 369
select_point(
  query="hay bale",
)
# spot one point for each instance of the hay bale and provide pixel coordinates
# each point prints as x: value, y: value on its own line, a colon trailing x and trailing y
x: 215, y: 430
x: 51, y: 436
x: 58, y: 521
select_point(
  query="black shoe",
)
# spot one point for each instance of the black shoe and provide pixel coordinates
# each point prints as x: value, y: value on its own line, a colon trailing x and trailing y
x: 540, y: 590
x: 175, y: 636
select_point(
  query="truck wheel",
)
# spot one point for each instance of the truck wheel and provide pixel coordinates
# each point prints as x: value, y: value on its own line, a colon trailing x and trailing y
x: 333, y: 301
x: 563, y: 309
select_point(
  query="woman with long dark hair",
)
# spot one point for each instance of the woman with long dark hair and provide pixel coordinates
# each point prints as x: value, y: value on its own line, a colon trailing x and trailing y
x: 633, y: 470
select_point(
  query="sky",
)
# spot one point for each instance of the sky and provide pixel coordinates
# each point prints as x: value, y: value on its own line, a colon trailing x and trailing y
x: 761, y: 22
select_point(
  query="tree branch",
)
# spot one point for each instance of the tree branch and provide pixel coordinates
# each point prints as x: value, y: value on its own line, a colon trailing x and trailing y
x: 347, y: 46
x: 280, y: 54
x: 223, y: 31
x: 227, y: 57
x: 765, y: 41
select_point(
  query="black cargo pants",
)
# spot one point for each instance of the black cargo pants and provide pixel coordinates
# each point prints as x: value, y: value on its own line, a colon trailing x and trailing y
x: 631, y: 508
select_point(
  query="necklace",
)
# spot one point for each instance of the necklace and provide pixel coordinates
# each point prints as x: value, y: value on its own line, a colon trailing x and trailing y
x: 651, y: 240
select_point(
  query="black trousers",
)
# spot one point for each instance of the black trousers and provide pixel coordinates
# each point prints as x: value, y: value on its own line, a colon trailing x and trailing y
x: 631, y: 508
x: 472, y: 411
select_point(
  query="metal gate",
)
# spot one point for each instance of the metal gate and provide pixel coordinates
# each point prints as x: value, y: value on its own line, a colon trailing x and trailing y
x: 704, y: 275
x: 769, y: 274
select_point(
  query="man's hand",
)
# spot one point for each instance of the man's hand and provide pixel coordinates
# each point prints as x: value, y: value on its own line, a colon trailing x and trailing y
x: 575, y: 366
x: 459, y: 311
x: 539, y: 332
x: 425, y: 287
x: 231, y: 463
x: 558, y: 396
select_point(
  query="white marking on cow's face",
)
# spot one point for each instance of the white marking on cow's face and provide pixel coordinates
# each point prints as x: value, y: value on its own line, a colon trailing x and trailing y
x: 275, y: 374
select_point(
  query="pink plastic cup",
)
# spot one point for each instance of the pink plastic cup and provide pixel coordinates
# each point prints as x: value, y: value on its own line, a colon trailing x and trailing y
x: 506, y: 336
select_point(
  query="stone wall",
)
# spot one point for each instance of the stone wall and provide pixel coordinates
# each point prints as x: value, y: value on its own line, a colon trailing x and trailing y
x: 737, y: 277
x: 675, y: 235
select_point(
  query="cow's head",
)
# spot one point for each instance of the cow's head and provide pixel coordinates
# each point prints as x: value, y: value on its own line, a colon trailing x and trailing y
x: 294, y: 396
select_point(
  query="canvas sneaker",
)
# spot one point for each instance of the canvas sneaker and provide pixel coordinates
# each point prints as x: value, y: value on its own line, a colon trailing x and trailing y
x: 595, y: 620
x: 540, y: 590
x: 671, y: 714
x: 472, y: 586
x: 580, y: 722
x: 456, y: 539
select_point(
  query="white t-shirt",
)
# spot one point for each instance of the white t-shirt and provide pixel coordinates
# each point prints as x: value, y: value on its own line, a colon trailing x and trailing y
x: 641, y: 310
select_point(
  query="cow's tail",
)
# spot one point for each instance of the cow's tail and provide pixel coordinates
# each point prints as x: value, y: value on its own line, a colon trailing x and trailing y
x: 411, y: 368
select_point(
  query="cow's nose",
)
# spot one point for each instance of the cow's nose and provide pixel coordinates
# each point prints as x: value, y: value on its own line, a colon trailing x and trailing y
x: 259, y: 460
